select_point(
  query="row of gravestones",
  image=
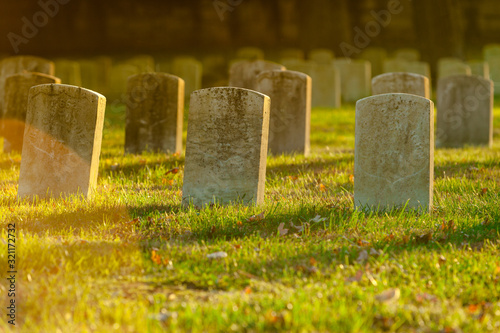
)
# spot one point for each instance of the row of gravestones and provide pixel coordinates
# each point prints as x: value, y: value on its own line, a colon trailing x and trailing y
x: 227, y: 140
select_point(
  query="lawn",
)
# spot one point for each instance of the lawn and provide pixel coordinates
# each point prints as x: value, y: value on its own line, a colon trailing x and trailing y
x: 132, y: 260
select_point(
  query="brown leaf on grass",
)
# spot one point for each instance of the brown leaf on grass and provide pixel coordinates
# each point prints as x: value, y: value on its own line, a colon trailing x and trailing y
x: 256, y: 218
x: 165, y: 181
x: 389, y: 237
x: 388, y: 295
x: 355, y: 278
x: 173, y: 171
x: 321, y: 187
x: 312, y: 261
x: 351, y: 178
x: 424, y: 297
x: 448, y: 226
x: 281, y: 229
x: 248, y: 290
x: 423, y: 239
x: 483, y: 191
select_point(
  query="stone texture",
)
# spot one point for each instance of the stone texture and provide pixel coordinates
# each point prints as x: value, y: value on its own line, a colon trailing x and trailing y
x: 406, y: 83
x: 155, y: 108
x: 290, y: 119
x: 355, y: 78
x: 465, y: 111
x: 62, y: 142
x: 18, y: 64
x: 17, y: 88
x: 226, y: 147
x: 243, y: 74
x: 452, y: 66
x: 68, y: 71
x: 394, y: 152
x: 190, y: 70
x: 321, y: 56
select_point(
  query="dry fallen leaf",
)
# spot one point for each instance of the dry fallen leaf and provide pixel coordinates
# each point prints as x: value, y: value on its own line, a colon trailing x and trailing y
x: 355, y: 278
x: 351, y: 178
x: 388, y: 295
x: 174, y: 171
x: 281, y: 229
x: 255, y: 218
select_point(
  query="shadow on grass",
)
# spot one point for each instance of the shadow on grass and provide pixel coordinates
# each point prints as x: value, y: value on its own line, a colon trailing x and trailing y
x: 469, y: 169
x: 341, y: 161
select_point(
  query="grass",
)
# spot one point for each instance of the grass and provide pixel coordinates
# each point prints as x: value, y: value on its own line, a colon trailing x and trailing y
x: 133, y: 260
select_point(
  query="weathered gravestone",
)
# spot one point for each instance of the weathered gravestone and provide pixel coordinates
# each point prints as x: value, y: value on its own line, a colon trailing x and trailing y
x: 394, y: 152
x: 18, y: 64
x: 464, y: 111
x: 243, y: 74
x: 290, y: 119
x: 355, y: 78
x: 68, y: 71
x: 155, y: 108
x: 17, y: 87
x: 190, y: 70
x: 226, y: 147
x: 321, y: 56
x: 406, y: 83
x: 452, y: 66
x: 62, y: 141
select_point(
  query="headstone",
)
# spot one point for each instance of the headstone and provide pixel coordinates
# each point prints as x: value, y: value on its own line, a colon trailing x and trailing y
x: 452, y: 66
x: 479, y: 68
x: 321, y: 56
x: 376, y: 56
x: 290, y: 119
x: 465, y: 111
x: 155, y: 108
x: 405, y: 83
x: 407, y: 54
x: 17, y: 87
x: 19, y: 64
x: 243, y: 74
x: 250, y: 53
x: 226, y: 147
x: 190, y: 70
x: 394, y: 152
x: 62, y: 142
x: 355, y: 78
x: 68, y: 71
x: 494, y: 66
